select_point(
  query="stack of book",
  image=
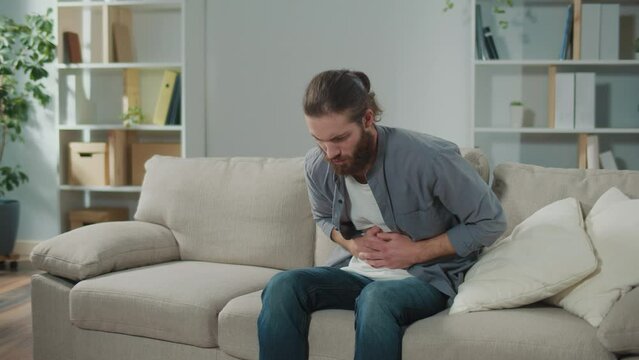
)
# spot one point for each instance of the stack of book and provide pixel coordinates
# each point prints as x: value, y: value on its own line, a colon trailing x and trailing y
x: 484, y: 43
x: 169, y: 103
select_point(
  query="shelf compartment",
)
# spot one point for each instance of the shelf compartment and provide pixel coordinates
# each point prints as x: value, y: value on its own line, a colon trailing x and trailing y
x: 495, y: 86
x: 99, y: 127
x: 126, y: 188
x: 95, y: 97
x: 87, y: 22
x: 556, y: 131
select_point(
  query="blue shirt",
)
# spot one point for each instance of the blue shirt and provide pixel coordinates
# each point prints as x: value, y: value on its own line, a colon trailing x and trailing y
x: 423, y: 188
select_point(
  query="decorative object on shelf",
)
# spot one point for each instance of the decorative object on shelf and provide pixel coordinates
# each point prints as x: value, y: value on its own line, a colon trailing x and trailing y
x: 516, y: 114
x: 499, y: 8
x: 24, y: 49
x: 133, y: 116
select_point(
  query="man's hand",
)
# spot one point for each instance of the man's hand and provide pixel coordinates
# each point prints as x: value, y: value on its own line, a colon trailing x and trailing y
x: 390, y: 250
x: 365, y: 243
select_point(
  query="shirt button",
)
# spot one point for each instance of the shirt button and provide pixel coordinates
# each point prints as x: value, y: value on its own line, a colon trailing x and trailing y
x: 339, y: 201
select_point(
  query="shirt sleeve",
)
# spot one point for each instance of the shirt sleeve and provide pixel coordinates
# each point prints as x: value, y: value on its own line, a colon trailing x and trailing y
x: 321, y: 204
x: 465, y: 194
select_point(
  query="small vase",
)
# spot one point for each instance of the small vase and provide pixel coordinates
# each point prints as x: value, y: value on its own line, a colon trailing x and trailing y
x: 516, y: 116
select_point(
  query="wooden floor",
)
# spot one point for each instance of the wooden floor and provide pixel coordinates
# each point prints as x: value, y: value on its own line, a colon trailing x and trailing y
x: 16, y: 339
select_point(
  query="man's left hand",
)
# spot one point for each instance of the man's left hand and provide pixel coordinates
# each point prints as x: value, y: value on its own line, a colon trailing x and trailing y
x: 394, y: 251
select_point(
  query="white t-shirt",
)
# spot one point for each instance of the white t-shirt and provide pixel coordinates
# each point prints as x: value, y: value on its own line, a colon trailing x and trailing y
x: 364, y: 214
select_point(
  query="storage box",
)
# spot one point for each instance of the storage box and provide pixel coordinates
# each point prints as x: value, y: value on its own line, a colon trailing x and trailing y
x: 141, y: 152
x: 81, y: 217
x: 88, y: 164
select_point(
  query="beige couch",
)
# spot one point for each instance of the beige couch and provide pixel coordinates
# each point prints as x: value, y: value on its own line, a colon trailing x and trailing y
x: 183, y: 280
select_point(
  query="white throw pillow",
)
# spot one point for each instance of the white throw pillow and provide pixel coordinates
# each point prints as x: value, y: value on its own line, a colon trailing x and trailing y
x: 613, y: 226
x: 545, y: 254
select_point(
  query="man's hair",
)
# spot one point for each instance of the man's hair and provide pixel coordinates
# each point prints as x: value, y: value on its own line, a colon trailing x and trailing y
x: 340, y: 91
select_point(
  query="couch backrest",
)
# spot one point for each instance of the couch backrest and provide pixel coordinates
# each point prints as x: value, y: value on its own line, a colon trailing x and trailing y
x: 524, y: 189
x: 250, y: 211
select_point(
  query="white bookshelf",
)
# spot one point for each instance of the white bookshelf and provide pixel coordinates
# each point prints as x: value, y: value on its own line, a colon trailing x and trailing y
x: 528, y: 49
x: 90, y: 93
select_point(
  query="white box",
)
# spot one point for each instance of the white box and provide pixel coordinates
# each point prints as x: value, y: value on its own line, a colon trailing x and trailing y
x: 592, y: 152
x: 585, y: 100
x: 609, y: 37
x: 590, y: 30
x: 565, y: 101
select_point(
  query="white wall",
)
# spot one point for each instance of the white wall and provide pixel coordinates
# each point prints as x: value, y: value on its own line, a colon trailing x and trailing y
x: 38, y: 155
x: 261, y: 54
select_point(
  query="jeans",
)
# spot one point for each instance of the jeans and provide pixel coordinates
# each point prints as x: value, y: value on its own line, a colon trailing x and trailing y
x: 382, y: 310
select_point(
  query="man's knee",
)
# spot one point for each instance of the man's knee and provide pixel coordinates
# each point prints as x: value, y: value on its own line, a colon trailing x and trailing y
x: 287, y: 284
x: 377, y: 296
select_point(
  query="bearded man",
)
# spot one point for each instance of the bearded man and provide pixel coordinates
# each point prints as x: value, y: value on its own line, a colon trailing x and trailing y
x: 410, y: 214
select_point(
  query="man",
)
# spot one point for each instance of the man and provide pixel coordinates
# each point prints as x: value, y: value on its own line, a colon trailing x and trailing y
x: 410, y: 211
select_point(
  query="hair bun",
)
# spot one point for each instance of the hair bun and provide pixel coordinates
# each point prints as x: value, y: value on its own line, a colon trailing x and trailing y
x: 364, y: 79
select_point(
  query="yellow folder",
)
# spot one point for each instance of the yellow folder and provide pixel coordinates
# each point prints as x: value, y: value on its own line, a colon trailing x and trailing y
x: 164, y: 97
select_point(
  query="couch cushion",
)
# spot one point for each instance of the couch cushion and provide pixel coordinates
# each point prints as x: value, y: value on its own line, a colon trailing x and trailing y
x: 613, y: 228
x: 527, y: 333
x: 331, y: 334
x: 619, y: 330
x: 177, y: 301
x: 246, y: 211
x: 545, y: 254
x: 523, y: 189
x: 542, y: 333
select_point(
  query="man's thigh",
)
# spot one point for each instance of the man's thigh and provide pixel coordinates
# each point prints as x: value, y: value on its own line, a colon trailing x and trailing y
x: 408, y: 300
x: 322, y: 287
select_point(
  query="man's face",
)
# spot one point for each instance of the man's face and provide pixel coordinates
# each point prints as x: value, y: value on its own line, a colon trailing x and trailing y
x: 348, y: 147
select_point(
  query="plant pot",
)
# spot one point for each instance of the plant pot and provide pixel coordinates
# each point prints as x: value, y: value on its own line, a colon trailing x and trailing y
x: 9, y: 218
x: 516, y: 116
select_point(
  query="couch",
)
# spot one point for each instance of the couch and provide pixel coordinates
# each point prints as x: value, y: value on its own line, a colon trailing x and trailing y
x: 183, y: 280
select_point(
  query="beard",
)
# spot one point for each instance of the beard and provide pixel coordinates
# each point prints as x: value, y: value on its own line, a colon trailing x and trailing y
x: 362, y: 156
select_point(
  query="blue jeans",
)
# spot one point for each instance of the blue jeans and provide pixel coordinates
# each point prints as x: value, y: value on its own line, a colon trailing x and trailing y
x: 382, y: 309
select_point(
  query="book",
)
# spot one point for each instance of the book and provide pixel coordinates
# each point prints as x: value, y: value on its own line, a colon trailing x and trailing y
x: 590, y: 30
x: 609, y: 44
x: 565, y: 100
x: 121, y: 43
x: 585, y: 100
x: 173, y: 115
x: 592, y: 152
x: 566, y: 49
x: 164, y: 97
x: 490, y: 43
x: 480, y: 45
x: 72, y: 51
x: 607, y: 160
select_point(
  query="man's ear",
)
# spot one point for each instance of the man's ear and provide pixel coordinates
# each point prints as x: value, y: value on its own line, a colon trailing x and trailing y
x: 369, y: 118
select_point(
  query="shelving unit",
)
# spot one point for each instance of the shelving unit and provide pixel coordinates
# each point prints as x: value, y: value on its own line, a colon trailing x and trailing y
x: 529, y: 55
x: 91, y: 93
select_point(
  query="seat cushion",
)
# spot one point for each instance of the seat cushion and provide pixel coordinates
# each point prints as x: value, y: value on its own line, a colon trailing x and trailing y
x: 526, y: 333
x: 331, y: 334
x: 245, y: 211
x: 177, y: 301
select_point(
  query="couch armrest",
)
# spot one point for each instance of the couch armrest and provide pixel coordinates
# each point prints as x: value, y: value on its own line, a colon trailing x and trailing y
x: 619, y: 330
x: 105, y: 247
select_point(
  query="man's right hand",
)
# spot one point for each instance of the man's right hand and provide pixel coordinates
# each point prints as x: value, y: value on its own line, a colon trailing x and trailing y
x: 366, y: 242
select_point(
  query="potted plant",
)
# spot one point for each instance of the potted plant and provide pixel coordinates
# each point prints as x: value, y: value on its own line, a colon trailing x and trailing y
x: 24, y: 51
x: 516, y: 114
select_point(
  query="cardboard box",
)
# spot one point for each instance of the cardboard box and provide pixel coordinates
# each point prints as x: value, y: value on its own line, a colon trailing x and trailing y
x: 81, y: 217
x: 141, y: 152
x: 88, y: 164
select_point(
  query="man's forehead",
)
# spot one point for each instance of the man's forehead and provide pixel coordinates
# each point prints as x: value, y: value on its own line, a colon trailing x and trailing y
x: 327, y: 127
